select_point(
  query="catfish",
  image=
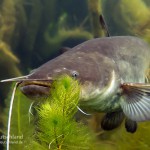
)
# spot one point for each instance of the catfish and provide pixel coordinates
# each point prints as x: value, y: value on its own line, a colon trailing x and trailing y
x: 112, y: 72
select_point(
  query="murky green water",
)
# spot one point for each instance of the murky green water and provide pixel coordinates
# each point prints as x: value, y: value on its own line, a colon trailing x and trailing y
x: 35, y: 31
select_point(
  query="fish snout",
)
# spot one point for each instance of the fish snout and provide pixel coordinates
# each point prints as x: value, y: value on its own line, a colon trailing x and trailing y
x: 35, y: 90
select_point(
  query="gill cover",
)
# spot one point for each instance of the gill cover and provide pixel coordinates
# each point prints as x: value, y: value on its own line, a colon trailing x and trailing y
x: 111, y: 87
x: 100, y: 99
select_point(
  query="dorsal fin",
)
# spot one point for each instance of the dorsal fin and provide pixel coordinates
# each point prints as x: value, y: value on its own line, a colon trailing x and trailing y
x: 104, y: 25
x: 64, y: 49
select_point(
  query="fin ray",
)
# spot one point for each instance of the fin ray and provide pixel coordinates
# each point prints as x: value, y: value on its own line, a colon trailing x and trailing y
x: 136, y: 103
x: 104, y: 25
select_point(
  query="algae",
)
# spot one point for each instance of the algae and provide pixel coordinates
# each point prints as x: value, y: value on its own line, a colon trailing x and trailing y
x: 30, y: 34
x: 12, y: 20
x: 62, y: 38
x: 9, y: 68
x: 95, y: 10
x: 128, y: 17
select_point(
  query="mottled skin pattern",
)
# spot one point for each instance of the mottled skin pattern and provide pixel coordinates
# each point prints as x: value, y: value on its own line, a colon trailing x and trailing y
x: 95, y: 60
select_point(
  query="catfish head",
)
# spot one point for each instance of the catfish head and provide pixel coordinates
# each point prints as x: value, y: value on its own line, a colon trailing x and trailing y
x: 95, y: 72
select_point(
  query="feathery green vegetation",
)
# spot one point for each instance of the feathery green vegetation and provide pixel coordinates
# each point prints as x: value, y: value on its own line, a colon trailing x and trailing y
x: 57, y: 127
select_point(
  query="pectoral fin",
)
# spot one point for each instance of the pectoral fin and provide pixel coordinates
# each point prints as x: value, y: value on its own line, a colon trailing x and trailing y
x: 136, y: 102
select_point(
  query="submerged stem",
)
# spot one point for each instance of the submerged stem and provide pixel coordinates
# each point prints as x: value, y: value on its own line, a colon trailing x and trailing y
x: 56, y: 137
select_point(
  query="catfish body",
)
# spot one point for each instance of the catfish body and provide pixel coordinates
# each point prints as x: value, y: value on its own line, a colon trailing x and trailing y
x: 112, y: 73
x: 127, y: 56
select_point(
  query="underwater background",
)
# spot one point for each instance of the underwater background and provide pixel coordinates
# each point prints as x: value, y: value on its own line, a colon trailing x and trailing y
x: 35, y: 31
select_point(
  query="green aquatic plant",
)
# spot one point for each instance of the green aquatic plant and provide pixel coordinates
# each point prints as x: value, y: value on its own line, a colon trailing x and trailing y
x: 128, y: 17
x: 54, y: 39
x: 57, y: 127
x: 95, y: 10
x: 9, y: 67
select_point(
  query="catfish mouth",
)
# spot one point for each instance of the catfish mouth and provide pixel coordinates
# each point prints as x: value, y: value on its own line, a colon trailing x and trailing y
x: 35, y: 89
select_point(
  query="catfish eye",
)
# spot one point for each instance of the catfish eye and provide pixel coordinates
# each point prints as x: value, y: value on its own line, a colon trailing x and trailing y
x: 74, y: 74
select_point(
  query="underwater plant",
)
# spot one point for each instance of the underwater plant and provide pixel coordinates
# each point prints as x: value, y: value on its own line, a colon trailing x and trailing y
x: 8, y: 66
x: 56, y: 126
x: 128, y: 17
x: 62, y: 38
x: 95, y: 10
